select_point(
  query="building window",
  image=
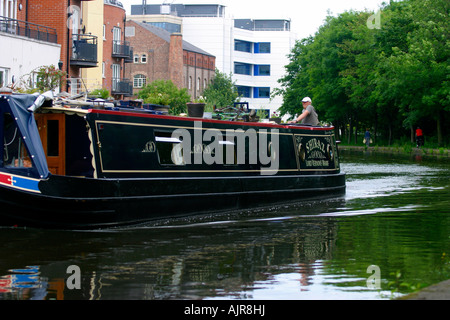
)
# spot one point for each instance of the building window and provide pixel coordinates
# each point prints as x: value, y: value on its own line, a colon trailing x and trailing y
x: 117, y: 34
x: 139, y: 81
x: 243, y: 46
x: 243, y: 68
x: 103, y: 70
x: 198, y: 84
x: 261, y: 70
x: 136, y: 58
x: 8, y: 9
x: 262, y: 92
x: 171, y: 27
x: 115, y: 77
x: 262, y: 47
x: 244, y: 91
x: 190, y: 83
x: 3, y: 77
x: 144, y: 58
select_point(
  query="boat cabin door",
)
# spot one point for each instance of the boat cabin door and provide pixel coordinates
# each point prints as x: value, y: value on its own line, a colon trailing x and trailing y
x: 51, y: 129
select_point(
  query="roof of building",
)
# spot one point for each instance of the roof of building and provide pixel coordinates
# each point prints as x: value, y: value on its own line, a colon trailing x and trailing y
x: 165, y: 35
x: 180, y: 10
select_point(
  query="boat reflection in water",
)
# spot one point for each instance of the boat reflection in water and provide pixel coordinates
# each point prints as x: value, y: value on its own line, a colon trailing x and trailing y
x: 80, y: 166
x: 188, y: 261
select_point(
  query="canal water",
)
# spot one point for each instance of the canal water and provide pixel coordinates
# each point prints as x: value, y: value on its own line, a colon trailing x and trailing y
x: 388, y: 236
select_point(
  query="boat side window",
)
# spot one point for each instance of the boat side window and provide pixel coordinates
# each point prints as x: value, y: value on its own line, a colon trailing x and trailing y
x: 15, y: 154
x: 53, y: 138
x: 170, y: 151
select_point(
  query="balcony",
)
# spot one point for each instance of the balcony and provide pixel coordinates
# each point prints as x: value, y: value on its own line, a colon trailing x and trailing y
x: 122, y: 49
x: 28, y: 29
x: 122, y: 87
x: 129, y: 59
x: 84, y: 51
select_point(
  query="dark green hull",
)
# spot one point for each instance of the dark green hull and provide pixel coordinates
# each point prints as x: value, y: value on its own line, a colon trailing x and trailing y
x: 108, y: 203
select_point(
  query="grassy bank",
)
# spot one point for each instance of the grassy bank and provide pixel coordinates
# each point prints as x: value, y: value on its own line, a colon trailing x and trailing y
x: 406, y: 149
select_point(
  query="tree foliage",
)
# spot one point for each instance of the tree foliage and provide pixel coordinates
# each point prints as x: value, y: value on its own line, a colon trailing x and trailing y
x: 221, y: 92
x: 41, y: 79
x: 165, y: 92
x: 390, y: 79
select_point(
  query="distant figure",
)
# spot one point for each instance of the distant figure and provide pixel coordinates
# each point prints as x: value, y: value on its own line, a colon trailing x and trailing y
x: 367, y: 137
x: 309, y: 114
x: 419, y: 137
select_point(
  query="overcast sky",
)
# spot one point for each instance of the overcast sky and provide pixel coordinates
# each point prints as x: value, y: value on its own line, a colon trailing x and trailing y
x: 306, y: 15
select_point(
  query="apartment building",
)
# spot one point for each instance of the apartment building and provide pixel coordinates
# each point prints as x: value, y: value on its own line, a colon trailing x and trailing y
x: 106, y: 19
x: 25, y: 46
x: 78, y: 49
x: 253, y: 51
x: 91, y: 38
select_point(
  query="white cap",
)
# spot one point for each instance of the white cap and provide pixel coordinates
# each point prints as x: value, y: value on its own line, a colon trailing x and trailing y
x: 306, y: 99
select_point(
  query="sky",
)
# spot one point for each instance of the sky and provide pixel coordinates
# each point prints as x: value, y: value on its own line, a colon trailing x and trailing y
x: 306, y: 15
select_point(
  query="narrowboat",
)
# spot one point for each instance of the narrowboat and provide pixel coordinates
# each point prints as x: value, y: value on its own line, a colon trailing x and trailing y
x: 77, y: 165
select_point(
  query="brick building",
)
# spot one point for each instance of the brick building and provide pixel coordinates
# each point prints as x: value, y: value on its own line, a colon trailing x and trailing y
x: 159, y: 54
x: 78, y: 50
x: 91, y: 34
x: 97, y: 48
x: 116, y: 52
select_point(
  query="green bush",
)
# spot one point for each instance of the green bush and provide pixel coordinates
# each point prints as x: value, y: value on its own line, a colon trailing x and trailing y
x: 165, y: 92
x: 100, y: 93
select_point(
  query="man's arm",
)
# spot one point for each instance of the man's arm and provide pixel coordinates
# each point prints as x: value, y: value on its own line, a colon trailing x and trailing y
x: 301, y: 117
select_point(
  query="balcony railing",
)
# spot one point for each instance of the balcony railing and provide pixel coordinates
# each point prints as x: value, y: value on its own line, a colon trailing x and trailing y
x: 129, y: 59
x: 121, y: 49
x: 122, y: 87
x: 84, y: 51
x: 28, y: 29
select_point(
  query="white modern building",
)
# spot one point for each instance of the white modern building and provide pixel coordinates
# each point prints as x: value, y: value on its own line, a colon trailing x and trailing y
x: 24, y: 46
x: 253, y: 51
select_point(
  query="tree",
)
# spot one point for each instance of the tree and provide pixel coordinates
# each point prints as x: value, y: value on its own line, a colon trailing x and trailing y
x: 165, y: 92
x: 315, y: 71
x: 413, y: 69
x: 41, y: 79
x: 423, y: 69
x: 294, y: 85
x: 221, y: 92
x: 390, y: 79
